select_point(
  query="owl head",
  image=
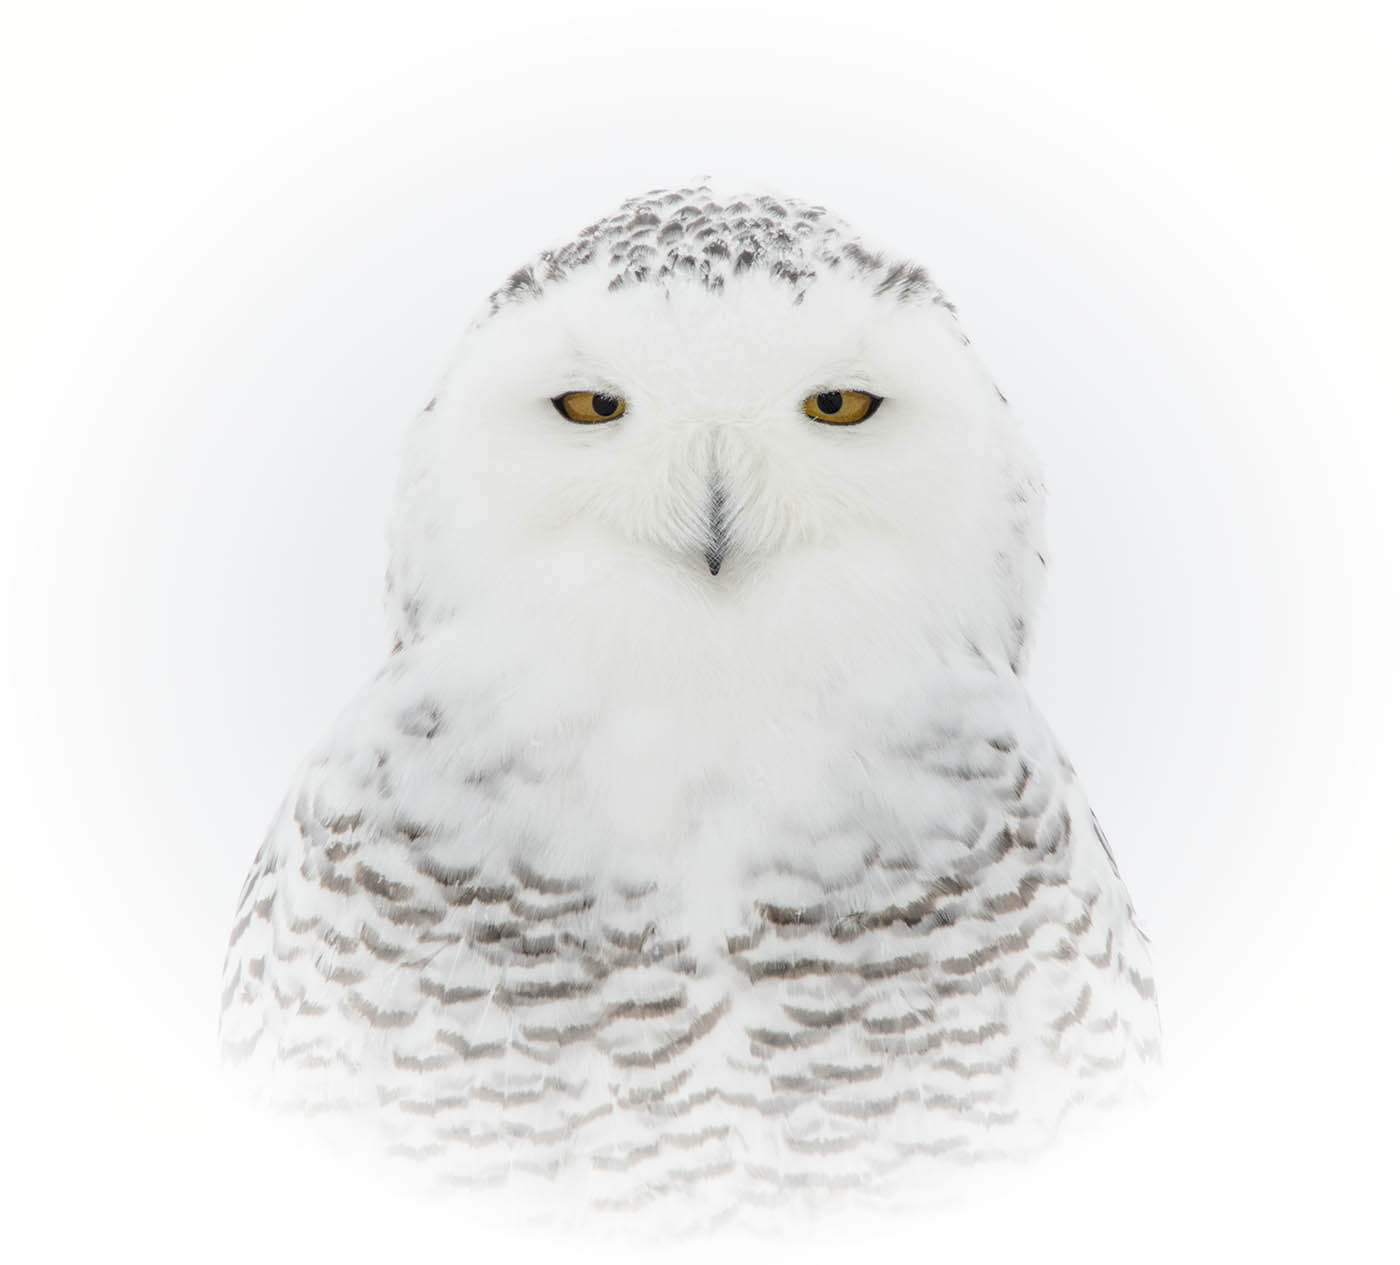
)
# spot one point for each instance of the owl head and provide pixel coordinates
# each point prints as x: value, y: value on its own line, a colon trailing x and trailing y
x: 708, y: 405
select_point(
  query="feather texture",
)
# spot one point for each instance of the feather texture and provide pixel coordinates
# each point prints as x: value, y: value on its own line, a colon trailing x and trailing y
x: 659, y: 881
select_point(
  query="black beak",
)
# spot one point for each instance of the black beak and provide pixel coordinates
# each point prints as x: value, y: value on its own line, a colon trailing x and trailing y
x: 717, y: 541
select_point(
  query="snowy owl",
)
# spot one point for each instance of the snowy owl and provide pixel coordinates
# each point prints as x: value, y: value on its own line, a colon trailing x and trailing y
x: 698, y: 840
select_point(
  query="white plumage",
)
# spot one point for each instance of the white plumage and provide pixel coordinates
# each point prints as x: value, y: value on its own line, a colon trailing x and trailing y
x: 699, y: 842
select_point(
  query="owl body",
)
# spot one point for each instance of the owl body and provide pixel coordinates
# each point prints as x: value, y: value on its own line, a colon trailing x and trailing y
x: 699, y: 840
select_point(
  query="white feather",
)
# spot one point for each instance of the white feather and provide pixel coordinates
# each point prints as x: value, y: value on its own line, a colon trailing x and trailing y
x: 815, y: 775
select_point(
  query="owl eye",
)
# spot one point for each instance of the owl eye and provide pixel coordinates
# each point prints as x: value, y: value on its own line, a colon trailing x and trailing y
x: 841, y: 408
x: 590, y: 406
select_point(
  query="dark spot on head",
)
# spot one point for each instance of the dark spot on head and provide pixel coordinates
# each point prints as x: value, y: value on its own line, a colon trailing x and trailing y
x: 791, y: 241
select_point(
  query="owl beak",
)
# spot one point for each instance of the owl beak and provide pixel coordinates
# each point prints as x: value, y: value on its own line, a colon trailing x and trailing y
x: 716, y: 542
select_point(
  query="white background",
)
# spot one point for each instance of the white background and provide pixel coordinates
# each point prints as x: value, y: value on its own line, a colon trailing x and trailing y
x: 240, y: 241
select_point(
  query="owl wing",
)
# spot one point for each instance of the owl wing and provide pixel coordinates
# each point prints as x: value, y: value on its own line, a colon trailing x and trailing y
x: 977, y: 975
x: 496, y: 1018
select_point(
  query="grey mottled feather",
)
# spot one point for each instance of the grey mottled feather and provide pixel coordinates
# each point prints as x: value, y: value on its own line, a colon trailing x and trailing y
x: 950, y: 998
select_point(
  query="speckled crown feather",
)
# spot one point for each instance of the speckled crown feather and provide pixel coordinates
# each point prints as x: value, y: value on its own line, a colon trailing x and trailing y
x: 690, y: 234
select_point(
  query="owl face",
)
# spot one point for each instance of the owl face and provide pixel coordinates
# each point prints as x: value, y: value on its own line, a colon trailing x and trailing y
x: 791, y: 431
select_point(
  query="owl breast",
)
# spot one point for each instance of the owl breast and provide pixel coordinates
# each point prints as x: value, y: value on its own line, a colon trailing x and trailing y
x: 775, y: 966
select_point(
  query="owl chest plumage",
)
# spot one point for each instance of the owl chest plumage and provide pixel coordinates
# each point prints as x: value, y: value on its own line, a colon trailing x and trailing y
x: 780, y: 964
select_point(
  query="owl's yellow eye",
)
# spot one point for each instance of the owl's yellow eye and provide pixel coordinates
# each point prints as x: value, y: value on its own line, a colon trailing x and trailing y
x: 590, y: 406
x: 841, y: 408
